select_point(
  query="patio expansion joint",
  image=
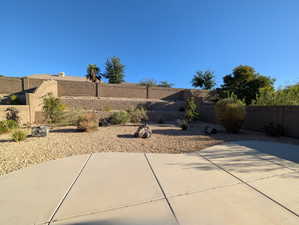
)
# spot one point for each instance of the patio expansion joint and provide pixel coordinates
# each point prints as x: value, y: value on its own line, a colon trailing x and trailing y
x: 68, y: 190
x: 106, y: 210
x: 250, y: 186
x: 162, y: 190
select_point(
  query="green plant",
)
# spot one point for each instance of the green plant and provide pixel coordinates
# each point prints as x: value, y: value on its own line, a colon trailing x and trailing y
x: 120, y: 117
x: 231, y: 113
x: 87, y: 122
x: 137, y: 115
x: 245, y: 83
x: 205, y: 80
x: 7, y: 125
x: 93, y: 73
x: 18, y: 135
x: 114, y: 70
x: 53, y: 108
x: 191, y: 112
x: 165, y: 84
x: 148, y: 83
x: 12, y: 114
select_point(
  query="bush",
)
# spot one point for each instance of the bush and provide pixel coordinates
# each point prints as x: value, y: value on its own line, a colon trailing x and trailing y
x: 231, y: 114
x: 7, y: 125
x: 12, y: 114
x: 19, y: 135
x: 53, y: 108
x: 120, y: 117
x: 137, y: 115
x: 191, y: 110
x: 87, y: 122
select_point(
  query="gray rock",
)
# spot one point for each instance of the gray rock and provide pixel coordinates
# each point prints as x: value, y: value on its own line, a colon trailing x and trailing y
x: 143, y: 131
x: 40, y: 131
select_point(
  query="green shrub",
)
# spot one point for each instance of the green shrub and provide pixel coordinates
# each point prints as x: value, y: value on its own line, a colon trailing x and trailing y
x: 137, y: 115
x: 120, y: 117
x: 19, y: 135
x: 231, y: 113
x: 12, y: 114
x: 191, y: 110
x: 87, y: 122
x: 53, y: 108
x: 69, y: 118
x: 7, y: 125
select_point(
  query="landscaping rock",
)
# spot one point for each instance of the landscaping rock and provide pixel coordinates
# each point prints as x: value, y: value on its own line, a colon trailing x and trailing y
x: 143, y: 131
x: 210, y: 130
x: 40, y: 131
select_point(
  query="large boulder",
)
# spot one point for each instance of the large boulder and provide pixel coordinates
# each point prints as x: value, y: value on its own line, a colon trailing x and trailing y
x: 40, y: 131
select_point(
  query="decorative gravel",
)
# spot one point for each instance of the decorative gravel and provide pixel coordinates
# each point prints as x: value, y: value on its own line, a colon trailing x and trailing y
x: 66, y: 141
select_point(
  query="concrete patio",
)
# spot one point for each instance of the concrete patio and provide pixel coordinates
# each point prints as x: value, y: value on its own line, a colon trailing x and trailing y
x: 246, y: 182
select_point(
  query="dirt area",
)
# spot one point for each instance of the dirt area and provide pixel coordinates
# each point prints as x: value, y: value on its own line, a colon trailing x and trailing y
x: 66, y: 141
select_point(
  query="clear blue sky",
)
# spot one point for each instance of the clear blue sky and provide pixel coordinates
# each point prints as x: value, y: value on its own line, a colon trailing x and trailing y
x: 160, y: 39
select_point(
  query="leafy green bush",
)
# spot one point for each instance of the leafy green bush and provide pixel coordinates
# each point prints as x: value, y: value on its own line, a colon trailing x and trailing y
x: 12, y: 114
x: 87, y: 122
x: 137, y: 115
x: 191, y: 110
x: 287, y: 96
x: 7, y: 125
x: 231, y: 113
x: 19, y: 135
x: 53, y: 108
x: 120, y: 117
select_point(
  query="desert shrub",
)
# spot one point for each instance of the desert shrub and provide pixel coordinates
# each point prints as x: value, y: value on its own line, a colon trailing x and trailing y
x: 137, y: 115
x: 53, y: 108
x: 69, y: 118
x: 191, y: 112
x: 183, y: 124
x: 18, y: 135
x: 231, y: 113
x: 87, y: 122
x: 7, y: 125
x: 274, y: 130
x: 120, y: 117
x: 12, y: 114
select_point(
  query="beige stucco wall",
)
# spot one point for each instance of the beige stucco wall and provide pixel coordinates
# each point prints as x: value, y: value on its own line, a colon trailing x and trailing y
x: 23, y: 112
x: 35, y: 99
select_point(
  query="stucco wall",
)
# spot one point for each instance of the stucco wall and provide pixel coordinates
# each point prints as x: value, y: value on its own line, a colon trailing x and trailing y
x: 23, y: 112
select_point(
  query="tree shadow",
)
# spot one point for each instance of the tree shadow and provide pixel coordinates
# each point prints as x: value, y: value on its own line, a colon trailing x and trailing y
x: 126, y: 136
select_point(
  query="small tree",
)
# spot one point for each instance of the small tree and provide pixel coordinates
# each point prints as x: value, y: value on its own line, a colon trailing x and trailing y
x: 165, y: 84
x: 53, y: 108
x: 12, y: 114
x: 203, y: 80
x: 148, y: 83
x: 191, y: 110
x: 114, y: 71
x: 93, y: 73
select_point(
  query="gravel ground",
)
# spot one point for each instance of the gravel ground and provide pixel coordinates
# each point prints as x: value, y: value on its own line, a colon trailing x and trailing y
x: 66, y: 141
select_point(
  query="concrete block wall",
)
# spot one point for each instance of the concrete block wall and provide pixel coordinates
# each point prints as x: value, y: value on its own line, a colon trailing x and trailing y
x: 10, y: 85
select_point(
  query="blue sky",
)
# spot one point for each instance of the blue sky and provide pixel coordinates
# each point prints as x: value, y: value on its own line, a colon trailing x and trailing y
x: 164, y: 40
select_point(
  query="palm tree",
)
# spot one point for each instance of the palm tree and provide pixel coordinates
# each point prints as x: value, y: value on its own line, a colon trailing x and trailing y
x: 204, y: 80
x: 93, y: 73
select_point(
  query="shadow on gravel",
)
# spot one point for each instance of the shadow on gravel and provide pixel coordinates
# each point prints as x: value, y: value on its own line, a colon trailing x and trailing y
x: 65, y: 130
x: 127, y: 136
x: 122, y: 222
